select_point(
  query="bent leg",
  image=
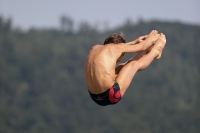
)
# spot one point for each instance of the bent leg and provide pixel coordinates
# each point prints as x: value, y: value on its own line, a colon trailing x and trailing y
x: 127, y: 73
x: 134, y: 58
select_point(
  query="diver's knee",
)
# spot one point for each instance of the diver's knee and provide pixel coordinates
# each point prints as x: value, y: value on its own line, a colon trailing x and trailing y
x: 135, y: 64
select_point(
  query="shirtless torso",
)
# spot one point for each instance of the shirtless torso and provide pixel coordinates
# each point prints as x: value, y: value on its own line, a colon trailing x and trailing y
x: 100, y: 68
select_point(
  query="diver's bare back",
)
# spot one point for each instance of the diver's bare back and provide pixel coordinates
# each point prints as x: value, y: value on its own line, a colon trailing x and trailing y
x: 100, y: 68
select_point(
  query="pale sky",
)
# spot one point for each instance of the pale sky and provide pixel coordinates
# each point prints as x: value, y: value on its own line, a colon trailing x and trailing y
x: 46, y: 13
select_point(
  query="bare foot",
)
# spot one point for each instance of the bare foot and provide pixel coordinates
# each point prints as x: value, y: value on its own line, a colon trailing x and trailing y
x: 159, y: 46
x: 152, y: 37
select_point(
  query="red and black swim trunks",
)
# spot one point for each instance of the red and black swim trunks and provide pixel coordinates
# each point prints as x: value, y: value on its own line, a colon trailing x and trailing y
x: 111, y: 96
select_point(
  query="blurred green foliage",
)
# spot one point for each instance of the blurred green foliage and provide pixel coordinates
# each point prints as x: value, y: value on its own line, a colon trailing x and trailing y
x: 42, y: 86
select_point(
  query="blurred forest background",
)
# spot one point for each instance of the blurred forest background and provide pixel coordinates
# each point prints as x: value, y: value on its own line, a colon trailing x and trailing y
x: 42, y: 86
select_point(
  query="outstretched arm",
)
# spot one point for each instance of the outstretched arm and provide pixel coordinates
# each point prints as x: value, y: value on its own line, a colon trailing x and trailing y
x: 139, y: 40
x: 140, y: 44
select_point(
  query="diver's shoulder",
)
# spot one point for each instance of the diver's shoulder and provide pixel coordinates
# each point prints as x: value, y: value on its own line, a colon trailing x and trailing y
x: 97, y: 46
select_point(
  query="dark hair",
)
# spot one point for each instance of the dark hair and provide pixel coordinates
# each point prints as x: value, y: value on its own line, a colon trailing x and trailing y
x: 114, y: 38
